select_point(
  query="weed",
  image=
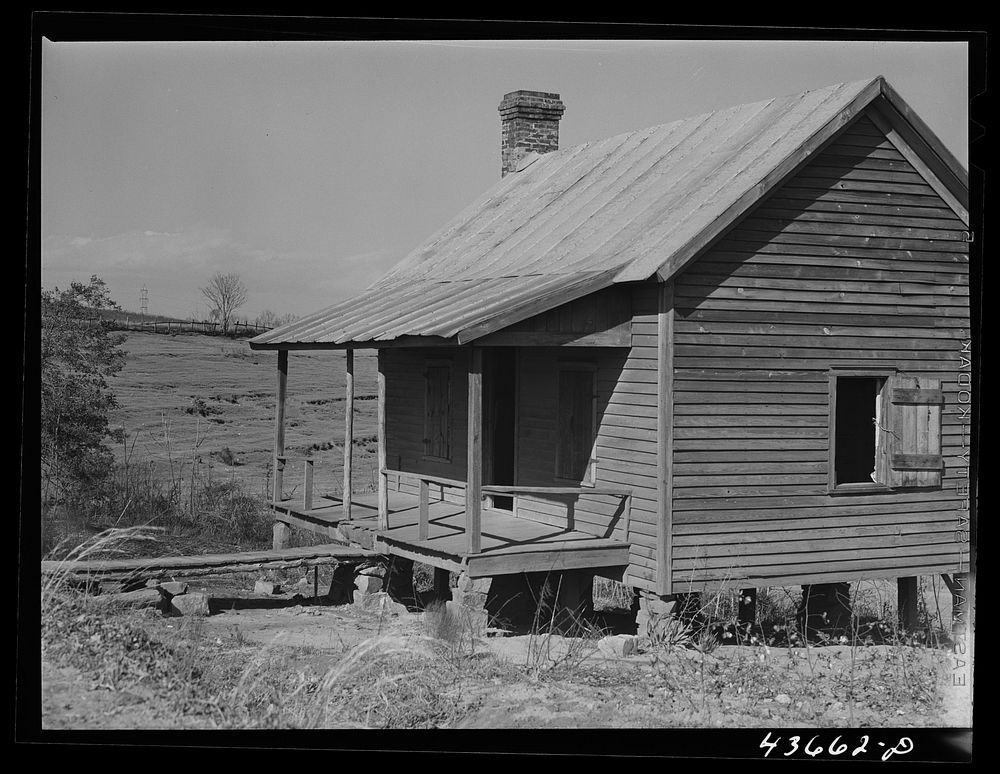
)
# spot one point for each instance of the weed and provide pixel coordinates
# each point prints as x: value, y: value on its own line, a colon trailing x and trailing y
x: 612, y: 595
x: 669, y: 632
x: 227, y: 457
x: 560, y: 638
x: 457, y: 635
x: 112, y: 648
x: 179, y: 498
x: 383, y: 682
x: 201, y: 408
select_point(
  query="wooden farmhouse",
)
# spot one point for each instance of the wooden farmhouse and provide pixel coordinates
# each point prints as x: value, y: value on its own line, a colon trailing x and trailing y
x: 728, y: 351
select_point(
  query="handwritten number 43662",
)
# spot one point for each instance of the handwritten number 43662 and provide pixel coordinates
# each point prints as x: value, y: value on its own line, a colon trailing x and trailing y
x: 836, y: 747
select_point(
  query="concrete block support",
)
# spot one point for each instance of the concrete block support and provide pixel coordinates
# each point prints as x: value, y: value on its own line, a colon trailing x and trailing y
x: 281, y: 535
x: 652, y: 610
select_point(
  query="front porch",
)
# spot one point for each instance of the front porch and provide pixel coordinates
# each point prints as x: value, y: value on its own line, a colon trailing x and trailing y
x: 463, y: 524
x: 436, y: 535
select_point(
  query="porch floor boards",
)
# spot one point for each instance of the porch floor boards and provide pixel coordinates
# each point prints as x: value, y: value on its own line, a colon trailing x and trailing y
x: 509, y: 544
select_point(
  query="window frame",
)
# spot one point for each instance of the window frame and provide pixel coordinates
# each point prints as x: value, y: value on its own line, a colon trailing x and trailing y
x: 886, y: 373
x: 589, y: 478
x: 445, y: 363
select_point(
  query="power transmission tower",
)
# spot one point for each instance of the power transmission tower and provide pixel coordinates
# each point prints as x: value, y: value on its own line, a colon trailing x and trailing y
x: 144, y: 300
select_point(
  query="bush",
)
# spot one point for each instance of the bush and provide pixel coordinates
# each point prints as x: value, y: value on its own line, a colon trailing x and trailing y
x: 201, y: 408
x: 79, y: 354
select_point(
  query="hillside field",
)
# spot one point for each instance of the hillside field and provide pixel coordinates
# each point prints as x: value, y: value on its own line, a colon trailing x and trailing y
x: 192, y: 400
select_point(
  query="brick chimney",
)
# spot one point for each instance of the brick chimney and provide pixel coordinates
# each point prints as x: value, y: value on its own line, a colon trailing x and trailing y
x: 529, y: 121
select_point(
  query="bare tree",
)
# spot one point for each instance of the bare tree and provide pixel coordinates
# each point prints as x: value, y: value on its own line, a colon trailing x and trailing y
x: 268, y: 319
x: 227, y: 294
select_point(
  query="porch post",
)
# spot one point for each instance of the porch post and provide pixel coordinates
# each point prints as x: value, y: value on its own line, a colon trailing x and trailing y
x: 281, y: 531
x: 664, y: 437
x: 348, y: 434
x: 279, y: 424
x: 474, y: 472
x: 383, y: 490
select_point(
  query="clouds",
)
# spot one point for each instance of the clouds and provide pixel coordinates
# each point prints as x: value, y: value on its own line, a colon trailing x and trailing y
x: 311, y: 168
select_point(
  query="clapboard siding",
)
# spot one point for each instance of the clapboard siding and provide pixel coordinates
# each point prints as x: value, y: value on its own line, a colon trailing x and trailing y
x: 854, y: 260
x: 626, y: 437
x: 405, y: 399
x: 594, y: 313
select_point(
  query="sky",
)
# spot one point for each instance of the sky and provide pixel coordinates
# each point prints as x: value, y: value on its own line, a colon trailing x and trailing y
x: 310, y: 168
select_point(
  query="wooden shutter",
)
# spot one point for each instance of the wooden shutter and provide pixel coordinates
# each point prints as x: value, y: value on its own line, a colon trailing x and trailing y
x: 437, y: 417
x: 915, y: 457
x: 883, y: 439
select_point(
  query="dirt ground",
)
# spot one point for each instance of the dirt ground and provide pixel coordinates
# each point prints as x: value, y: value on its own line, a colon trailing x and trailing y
x: 520, y: 682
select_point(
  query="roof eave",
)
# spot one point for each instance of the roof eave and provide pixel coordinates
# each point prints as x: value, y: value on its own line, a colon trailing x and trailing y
x: 397, y: 342
x: 933, y: 142
x: 924, y: 150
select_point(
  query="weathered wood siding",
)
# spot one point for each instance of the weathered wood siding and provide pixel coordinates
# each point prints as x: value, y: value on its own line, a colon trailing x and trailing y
x: 405, y: 397
x: 597, y: 319
x: 854, y: 260
x: 626, y: 437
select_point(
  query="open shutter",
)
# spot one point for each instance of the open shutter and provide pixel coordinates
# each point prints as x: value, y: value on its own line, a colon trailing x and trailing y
x: 915, y: 458
x: 883, y: 438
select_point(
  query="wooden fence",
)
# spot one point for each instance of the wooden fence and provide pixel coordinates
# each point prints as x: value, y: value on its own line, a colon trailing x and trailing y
x: 127, y: 323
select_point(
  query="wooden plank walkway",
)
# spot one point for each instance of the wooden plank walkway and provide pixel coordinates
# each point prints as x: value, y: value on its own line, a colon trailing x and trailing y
x: 509, y: 544
x: 205, y: 564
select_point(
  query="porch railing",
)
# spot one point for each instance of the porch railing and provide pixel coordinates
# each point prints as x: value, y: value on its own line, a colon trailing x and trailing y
x: 423, y: 522
x: 556, y: 492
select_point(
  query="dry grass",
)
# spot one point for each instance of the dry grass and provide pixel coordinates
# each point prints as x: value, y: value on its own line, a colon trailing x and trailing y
x: 443, y: 675
x: 612, y: 595
x: 191, y: 511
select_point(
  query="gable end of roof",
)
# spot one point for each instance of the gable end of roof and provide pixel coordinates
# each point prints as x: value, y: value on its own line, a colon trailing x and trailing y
x: 880, y: 102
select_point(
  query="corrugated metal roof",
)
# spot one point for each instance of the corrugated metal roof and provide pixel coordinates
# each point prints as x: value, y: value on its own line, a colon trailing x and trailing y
x: 580, y: 219
x: 427, y: 307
